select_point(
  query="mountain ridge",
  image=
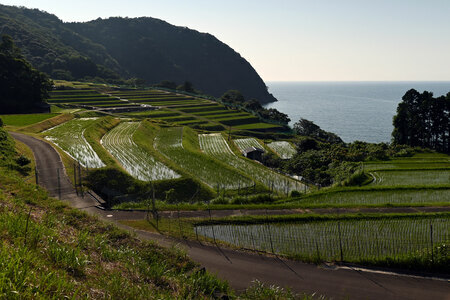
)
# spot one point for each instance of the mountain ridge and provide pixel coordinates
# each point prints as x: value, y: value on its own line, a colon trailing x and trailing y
x: 145, y: 47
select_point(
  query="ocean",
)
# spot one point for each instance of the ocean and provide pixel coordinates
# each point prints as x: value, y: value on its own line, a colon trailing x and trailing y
x: 353, y: 110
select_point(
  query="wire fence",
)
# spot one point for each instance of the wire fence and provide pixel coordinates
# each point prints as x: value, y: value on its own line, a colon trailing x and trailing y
x: 397, y: 240
x: 58, y: 183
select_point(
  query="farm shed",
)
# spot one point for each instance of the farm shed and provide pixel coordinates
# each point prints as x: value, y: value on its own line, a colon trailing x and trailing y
x: 253, y: 153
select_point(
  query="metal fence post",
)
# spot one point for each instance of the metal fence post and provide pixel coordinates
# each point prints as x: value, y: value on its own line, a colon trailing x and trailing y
x: 36, y: 175
x: 340, y: 241
x: 59, y: 184
x: 75, y: 177
x: 431, y: 241
x: 212, y: 227
x: 270, y: 235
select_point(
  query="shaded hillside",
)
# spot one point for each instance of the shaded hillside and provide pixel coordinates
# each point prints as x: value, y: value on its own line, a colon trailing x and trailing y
x: 53, y: 48
x: 146, y: 48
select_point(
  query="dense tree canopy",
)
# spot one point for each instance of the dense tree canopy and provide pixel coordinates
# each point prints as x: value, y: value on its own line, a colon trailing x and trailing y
x: 423, y: 121
x: 22, y: 88
x: 308, y: 128
x: 146, y: 48
x: 233, y: 97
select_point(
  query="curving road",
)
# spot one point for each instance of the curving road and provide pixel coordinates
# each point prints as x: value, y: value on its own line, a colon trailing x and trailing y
x: 241, y: 268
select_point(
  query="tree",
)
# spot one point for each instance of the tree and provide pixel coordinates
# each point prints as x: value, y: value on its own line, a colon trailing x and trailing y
x: 167, y: 84
x: 233, y: 96
x: 308, y: 128
x: 423, y: 121
x: 253, y: 105
x: 22, y: 88
x: 273, y: 114
x: 187, y: 86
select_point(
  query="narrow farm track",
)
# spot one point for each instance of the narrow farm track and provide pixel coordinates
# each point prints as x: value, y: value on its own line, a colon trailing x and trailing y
x: 240, y: 268
x: 140, y: 214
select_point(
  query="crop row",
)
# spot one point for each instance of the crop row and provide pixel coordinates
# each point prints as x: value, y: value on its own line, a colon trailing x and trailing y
x: 243, y: 144
x: 258, y: 127
x: 69, y: 137
x: 348, y: 240
x: 283, y: 149
x: 140, y: 164
x: 411, y: 177
x: 216, y: 146
x: 379, y: 197
x: 169, y: 143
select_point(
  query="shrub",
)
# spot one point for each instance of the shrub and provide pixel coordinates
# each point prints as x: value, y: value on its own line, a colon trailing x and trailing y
x: 23, y: 160
x: 295, y: 194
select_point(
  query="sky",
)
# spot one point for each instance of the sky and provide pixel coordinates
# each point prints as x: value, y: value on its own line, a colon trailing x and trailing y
x: 302, y: 40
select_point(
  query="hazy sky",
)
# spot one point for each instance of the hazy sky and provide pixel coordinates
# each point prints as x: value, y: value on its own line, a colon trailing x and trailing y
x: 302, y: 40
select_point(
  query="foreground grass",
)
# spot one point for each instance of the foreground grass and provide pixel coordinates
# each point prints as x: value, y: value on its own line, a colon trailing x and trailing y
x: 49, y: 250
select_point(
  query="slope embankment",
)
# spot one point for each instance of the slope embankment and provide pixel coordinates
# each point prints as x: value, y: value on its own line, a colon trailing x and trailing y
x: 241, y: 268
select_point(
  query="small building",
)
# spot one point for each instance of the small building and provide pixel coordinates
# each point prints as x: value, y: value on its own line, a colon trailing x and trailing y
x: 253, y: 153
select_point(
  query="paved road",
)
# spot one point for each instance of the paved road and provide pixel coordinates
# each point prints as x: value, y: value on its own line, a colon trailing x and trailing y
x: 240, y: 268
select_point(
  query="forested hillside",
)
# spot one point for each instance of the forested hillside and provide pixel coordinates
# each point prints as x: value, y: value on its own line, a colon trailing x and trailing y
x: 123, y: 48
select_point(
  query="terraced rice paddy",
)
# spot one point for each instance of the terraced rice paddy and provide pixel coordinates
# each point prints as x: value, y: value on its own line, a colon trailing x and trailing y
x: 382, y: 197
x: 85, y: 97
x: 169, y: 143
x: 411, y: 177
x: 69, y: 137
x: 406, y: 166
x: 357, y: 240
x: 216, y: 146
x: 158, y: 98
x: 25, y: 120
x: 283, y: 149
x: 258, y: 127
x: 243, y: 144
x: 140, y: 164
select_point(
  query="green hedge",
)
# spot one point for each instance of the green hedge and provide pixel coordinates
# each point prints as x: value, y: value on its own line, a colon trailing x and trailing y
x: 115, y: 186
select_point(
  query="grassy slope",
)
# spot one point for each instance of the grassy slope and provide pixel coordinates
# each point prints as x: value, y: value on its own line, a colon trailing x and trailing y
x: 49, y: 250
x: 47, y: 124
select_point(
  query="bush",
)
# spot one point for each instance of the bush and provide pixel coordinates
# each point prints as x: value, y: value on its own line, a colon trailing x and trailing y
x: 295, y: 194
x: 23, y: 161
x: 1, y: 122
x: 220, y: 200
x: 116, y: 186
x: 358, y: 178
x: 261, y: 198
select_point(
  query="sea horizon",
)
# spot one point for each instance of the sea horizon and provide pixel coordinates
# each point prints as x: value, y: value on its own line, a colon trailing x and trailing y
x: 354, y: 110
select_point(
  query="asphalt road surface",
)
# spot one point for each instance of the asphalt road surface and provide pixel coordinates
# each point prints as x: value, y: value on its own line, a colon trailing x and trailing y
x: 241, y: 268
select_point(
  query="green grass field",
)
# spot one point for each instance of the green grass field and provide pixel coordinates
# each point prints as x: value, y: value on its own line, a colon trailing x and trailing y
x: 376, y: 197
x: 258, y: 127
x: 25, y: 119
x: 414, y: 177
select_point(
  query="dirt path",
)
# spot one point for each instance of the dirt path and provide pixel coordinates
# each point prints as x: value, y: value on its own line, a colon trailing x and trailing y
x: 240, y: 268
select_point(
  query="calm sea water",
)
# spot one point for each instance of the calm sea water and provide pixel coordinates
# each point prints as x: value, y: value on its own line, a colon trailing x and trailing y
x: 353, y: 110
